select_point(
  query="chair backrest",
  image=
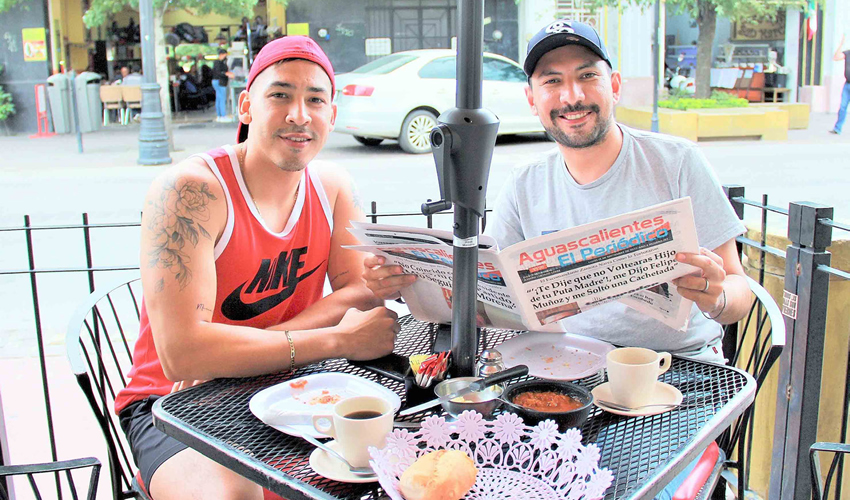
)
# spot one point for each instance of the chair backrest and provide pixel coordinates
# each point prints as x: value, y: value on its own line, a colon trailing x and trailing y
x: 758, y: 345
x: 132, y: 94
x: 65, y: 466
x: 820, y: 487
x: 111, y: 94
x: 99, y: 344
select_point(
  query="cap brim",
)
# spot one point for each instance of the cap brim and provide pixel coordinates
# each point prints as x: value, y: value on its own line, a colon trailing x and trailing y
x: 553, y: 42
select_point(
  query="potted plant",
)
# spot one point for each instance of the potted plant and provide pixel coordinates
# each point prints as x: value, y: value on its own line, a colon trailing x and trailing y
x: 7, y: 107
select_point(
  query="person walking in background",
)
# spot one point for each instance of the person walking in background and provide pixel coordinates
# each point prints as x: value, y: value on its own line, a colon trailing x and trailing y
x: 845, y: 93
x: 220, y: 76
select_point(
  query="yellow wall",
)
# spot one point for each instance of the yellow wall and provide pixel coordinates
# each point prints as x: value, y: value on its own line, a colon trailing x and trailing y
x: 276, y: 14
x: 66, y: 15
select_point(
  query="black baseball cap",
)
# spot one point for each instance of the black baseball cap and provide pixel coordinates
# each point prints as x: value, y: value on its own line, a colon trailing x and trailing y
x: 559, y: 33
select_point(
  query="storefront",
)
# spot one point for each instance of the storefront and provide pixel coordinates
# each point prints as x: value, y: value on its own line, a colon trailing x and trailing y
x: 353, y: 32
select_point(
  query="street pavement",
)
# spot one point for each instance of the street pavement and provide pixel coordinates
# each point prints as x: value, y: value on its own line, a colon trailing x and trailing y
x: 54, y: 184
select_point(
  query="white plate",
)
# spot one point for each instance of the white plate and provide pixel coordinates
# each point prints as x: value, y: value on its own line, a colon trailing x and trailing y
x: 664, y: 394
x: 302, y: 395
x: 555, y: 356
x: 330, y: 467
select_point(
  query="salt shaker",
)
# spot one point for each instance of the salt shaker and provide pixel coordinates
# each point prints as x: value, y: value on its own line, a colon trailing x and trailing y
x: 489, y: 362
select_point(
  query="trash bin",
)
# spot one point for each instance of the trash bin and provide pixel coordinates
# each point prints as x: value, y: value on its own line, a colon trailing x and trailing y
x: 89, y: 106
x: 59, y: 96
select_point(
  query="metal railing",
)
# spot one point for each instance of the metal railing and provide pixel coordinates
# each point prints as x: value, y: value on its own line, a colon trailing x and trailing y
x: 806, y: 282
x: 805, y: 309
x: 87, y: 228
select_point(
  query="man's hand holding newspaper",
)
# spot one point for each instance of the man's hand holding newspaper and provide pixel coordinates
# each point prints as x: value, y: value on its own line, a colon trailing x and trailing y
x: 535, y: 283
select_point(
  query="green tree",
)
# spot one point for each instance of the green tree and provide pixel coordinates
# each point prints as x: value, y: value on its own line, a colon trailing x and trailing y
x: 100, y: 11
x: 705, y: 12
x: 7, y: 107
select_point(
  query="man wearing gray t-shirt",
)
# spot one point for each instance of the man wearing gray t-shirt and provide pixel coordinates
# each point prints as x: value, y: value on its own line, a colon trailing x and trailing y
x: 601, y: 169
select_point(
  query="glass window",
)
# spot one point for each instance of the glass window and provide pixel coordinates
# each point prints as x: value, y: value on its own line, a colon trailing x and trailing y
x: 384, y: 65
x: 503, y: 71
x: 444, y: 67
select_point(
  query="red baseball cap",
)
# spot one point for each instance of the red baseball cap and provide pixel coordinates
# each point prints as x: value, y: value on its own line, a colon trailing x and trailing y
x: 288, y: 47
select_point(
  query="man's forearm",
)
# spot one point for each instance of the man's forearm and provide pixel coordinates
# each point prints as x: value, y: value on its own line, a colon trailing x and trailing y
x: 330, y: 309
x: 738, y: 299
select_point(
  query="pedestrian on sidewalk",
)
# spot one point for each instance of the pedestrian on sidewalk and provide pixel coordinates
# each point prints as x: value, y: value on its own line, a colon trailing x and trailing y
x: 220, y: 77
x: 845, y: 93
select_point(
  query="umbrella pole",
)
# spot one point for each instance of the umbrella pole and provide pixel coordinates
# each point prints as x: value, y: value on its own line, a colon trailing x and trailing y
x: 462, y: 145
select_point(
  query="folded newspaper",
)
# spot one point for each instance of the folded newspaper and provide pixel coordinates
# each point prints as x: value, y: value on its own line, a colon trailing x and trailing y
x: 533, y: 284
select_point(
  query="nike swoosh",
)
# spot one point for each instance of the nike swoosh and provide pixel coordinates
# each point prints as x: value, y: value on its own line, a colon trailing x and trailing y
x: 234, y: 309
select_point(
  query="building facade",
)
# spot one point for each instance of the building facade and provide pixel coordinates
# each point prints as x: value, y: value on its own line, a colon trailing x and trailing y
x: 353, y: 32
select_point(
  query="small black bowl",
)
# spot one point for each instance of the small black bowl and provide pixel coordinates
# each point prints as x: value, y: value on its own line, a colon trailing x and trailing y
x: 564, y: 419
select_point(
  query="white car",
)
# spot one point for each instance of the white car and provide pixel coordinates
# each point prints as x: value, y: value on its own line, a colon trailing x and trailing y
x: 399, y: 96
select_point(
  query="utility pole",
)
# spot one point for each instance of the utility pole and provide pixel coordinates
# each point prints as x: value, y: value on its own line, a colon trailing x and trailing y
x: 153, y: 139
x: 656, y: 47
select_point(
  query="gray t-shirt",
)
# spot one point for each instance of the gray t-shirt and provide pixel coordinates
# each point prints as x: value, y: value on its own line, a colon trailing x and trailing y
x: 541, y: 197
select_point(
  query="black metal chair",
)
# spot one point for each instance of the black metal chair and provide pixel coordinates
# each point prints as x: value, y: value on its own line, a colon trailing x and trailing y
x: 820, y: 487
x: 757, y: 347
x: 65, y: 466
x: 100, y: 355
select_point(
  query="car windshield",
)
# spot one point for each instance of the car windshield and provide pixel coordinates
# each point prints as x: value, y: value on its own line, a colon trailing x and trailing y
x: 384, y: 65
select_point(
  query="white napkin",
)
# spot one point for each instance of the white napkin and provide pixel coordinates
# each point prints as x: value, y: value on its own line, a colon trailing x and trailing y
x: 276, y: 415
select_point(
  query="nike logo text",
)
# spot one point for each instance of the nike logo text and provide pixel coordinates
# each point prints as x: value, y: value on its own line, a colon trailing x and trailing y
x: 268, y: 277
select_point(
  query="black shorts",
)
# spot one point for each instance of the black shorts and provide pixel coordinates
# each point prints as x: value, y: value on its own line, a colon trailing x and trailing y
x: 150, y: 446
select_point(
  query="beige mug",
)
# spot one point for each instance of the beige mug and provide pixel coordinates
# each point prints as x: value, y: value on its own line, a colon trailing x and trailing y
x: 357, y: 423
x: 633, y: 374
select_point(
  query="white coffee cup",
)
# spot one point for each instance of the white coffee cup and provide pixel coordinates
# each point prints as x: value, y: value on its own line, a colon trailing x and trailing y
x: 356, y: 424
x: 633, y: 374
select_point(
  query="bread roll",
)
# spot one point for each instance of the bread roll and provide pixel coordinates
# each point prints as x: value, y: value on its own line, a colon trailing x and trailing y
x: 439, y: 475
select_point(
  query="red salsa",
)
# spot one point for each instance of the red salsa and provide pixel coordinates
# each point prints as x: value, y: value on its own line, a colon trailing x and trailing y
x: 547, y: 401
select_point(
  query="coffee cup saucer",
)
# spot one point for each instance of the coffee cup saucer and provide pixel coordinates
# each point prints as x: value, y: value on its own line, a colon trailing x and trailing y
x: 331, y: 467
x: 664, y: 394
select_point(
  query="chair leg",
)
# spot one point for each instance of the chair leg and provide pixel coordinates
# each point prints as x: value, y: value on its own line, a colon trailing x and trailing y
x: 105, y: 117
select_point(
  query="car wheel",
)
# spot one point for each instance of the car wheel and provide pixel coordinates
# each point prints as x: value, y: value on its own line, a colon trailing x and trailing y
x: 368, y: 141
x: 416, y: 132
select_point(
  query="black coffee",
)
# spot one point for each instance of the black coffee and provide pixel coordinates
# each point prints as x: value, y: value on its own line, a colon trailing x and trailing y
x: 363, y: 414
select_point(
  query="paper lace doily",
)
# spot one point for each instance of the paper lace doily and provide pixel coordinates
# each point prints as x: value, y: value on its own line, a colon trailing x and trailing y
x: 514, y: 461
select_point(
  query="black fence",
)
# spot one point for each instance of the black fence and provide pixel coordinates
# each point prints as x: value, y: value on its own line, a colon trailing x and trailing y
x: 804, y: 304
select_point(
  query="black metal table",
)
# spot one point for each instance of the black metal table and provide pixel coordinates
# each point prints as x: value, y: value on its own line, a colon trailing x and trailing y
x: 644, y: 453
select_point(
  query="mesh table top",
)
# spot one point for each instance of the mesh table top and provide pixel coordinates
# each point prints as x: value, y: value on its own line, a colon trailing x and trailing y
x: 644, y: 453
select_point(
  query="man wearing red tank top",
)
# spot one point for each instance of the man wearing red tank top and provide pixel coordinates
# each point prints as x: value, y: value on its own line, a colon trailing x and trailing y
x: 235, y: 247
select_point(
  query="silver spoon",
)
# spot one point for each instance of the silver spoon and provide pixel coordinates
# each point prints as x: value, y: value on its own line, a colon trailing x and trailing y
x: 359, y: 471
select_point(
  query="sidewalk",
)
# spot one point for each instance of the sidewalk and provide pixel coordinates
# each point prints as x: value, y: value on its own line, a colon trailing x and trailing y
x: 117, y: 145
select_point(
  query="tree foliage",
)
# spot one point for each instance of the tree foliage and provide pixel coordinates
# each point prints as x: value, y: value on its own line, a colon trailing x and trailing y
x: 6, y: 5
x: 7, y: 107
x: 100, y: 11
x: 705, y: 13
x: 735, y: 10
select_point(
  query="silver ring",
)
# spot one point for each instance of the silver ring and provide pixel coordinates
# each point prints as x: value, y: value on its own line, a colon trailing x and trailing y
x: 706, y: 285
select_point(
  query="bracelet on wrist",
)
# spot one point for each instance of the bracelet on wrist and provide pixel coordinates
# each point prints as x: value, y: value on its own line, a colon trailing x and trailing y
x: 291, y: 351
x: 722, y: 308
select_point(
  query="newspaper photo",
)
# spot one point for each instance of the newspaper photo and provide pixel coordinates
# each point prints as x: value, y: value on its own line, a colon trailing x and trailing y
x: 533, y: 284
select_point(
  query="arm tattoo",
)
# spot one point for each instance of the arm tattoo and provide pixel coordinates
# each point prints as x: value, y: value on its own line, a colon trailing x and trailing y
x: 340, y: 275
x: 175, y: 220
x: 202, y: 307
x: 355, y: 196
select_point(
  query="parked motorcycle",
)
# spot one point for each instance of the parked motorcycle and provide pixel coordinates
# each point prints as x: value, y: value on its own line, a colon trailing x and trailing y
x: 677, y: 81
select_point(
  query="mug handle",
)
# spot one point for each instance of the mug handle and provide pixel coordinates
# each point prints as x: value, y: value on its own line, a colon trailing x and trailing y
x: 329, y: 430
x: 664, y: 362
